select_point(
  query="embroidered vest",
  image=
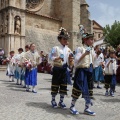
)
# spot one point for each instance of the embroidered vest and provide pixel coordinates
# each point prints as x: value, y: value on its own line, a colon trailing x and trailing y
x: 85, y: 62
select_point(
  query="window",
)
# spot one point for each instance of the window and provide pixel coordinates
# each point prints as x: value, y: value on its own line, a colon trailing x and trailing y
x: 34, y: 5
x: 98, y: 35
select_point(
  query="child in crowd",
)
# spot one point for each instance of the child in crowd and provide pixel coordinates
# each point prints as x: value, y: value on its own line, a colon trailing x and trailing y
x: 11, y: 66
x: 110, y: 74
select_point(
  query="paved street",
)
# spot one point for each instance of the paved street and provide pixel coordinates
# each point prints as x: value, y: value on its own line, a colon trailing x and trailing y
x: 17, y: 104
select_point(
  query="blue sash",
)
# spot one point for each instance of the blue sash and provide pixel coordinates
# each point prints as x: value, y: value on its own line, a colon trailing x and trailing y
x: 82, y: 81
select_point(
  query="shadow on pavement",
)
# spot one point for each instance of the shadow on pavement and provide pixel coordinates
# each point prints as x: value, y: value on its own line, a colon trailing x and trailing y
x: 110, y: 100
x: 14, y: 85
x: 22, y: 90
x: 98, y: 94
x: 5, y: 81
x: 49, y: 109
x: 45, y: 89
x: 11, y: 84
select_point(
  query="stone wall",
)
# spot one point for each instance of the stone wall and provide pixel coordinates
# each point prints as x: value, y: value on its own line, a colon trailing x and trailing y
x: 42, y: 27
x: 85, y: 18
x: 71, y: 19
x: 42, y: 22
x: 65, y: 13
x: 44, y: 39
x: 42, y: 31
x: 47, y: 9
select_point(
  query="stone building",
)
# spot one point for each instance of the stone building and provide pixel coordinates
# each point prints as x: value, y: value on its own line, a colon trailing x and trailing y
x: 85, y: 16
x: 26, y: 21
x: 98, y: 34
x: 97, y: 30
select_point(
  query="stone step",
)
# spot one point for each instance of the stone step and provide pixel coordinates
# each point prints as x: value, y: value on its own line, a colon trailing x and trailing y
x: 3, y: 67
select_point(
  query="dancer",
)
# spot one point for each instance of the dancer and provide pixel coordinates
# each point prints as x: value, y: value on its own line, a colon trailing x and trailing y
x: 11, y: 66
x: 110, y: 74
x: 23, y: 67
x: 97, y: 64
x: 32, y: 60
x: 18, y: 66
x: 83, y: 82
x: 59, y: 56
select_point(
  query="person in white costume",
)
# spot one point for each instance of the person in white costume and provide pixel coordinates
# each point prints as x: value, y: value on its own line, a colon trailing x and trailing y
x: 18, y: 66
x: 60, y: 57
x: 98, y: 66
x: 11, y: 66
x: 110, y: 74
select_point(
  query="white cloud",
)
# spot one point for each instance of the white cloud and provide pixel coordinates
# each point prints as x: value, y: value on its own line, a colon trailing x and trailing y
x: 108, y: 14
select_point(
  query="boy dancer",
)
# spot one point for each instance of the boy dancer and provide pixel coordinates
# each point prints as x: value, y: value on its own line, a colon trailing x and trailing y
x: 83, y: 83
x: 110, y: 74
x: 59, y: 56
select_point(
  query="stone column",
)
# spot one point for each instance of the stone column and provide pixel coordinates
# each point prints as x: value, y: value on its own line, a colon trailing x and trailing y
x: 12, y: 25
x: 0, y: 5
x: 85, y: 18
x: 22, y: 38
x: 71, y: 19
x: 22, y: 25
x: 0, y: 21
x: 91, y: 26
x: 6, y: 3
x: 7, y: 45
x: 10, y: 22
x: 22, y: 42
x: 23, y: 4
x: 17, y: 43
x: 12, y: 2
x: 2, y: 39
x: 12, y: 44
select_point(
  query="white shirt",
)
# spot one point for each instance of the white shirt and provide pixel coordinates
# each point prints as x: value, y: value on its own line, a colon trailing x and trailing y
x: 17, y: 58
x: 87, y: 60
x: 98, y: 59
x: 57, y: 51
x: 79, y: 53
x: 111, y: 69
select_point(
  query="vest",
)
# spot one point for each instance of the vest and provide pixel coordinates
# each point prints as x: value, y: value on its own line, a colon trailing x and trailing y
x: 59, y: 51
x: 85, y: 62
x: 112, y: 67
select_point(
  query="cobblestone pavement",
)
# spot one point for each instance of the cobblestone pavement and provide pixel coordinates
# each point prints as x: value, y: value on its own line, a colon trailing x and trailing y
x: 17, y: 104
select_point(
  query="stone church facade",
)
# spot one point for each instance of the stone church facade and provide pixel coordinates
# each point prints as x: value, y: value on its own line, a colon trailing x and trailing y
x: 38, y: 21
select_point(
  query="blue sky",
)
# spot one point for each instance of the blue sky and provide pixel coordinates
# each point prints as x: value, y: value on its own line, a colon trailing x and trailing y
x: 104, y: 11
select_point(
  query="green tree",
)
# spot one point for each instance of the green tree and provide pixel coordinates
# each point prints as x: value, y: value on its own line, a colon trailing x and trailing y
x: 112, y: 34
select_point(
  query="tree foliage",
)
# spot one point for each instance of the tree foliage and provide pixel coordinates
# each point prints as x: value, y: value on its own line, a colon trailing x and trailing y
x: 112, y: 34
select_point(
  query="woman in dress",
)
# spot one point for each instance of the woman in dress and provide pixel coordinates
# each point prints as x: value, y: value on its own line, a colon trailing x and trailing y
x: 32, y: 60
